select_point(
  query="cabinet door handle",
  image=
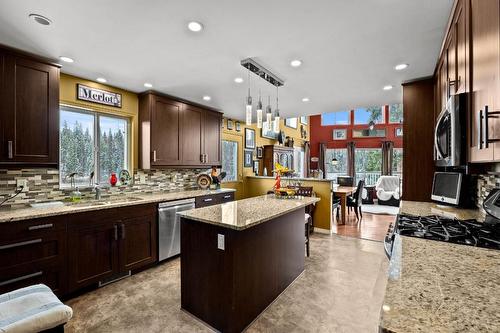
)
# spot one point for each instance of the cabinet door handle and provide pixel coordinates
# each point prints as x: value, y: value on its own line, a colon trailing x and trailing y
x: 41, y: 226
x: 206, y: 158
x: 480, y: 131
x: 227, y: 196
x: 115, y: 227
x: 13, y: 245
x: 487, y: 116
x: 122, y: 229
x: 10, y: 149
x: 208, y: 200
x: 201, y: 158
x: 154, y: 155
x: 21, y: 278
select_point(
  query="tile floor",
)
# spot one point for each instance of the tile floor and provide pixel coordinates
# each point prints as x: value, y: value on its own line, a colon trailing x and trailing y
x: 372, y: 226
x: 341, y: 290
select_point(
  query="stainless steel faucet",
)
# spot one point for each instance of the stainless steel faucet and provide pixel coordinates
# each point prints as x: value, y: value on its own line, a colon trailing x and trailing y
x: 97, y: 190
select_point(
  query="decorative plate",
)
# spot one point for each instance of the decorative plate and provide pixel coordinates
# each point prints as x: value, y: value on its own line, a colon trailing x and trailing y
x: 204, y: 181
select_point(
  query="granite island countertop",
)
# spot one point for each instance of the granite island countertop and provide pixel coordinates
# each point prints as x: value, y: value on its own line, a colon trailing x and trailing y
x: 419, y: 208
x: 243, y: 214
x: 441, y: 287
x: 128, y: 199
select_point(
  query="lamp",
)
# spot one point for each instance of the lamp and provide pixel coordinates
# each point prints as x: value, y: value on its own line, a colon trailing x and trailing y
x: 371, y: 125
x: 335, y: 161
x: 269, y: 113
x: 259, y: 111
x: 249, y: 104
x: 277, y: 114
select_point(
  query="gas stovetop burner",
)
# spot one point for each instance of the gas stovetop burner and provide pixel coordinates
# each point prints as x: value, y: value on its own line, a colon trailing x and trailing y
x: 466, y: 232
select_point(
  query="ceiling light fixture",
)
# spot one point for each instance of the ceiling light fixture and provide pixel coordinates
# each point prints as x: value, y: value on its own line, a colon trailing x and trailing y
x: 400, y: 67
x: 259, y: 111
x: 248, y: 108
x: 388, y: 87
x: 277, y: 114
x: 295, y: 63
x: 195, y: 26
x: 238, y: 80
x: 269, y: 113
x: 207, y: 98
x: 148, y: 85
x: 101, y: 80
x: 66, y: 59
x: 40, y: 19
x: 305, y: 99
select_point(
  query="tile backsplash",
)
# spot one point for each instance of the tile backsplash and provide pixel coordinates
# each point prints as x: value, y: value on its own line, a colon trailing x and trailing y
x: 485, y: 183
x: 43, y: 184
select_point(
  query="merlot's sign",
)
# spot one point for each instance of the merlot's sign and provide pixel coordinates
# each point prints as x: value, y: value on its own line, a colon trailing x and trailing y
x: 98, y: 96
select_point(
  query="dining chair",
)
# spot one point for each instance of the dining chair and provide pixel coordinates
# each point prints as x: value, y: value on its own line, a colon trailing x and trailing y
x: 355, y: 201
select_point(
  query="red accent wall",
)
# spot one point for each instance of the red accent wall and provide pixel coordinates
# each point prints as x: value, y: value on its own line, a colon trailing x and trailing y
x: 324, y: 134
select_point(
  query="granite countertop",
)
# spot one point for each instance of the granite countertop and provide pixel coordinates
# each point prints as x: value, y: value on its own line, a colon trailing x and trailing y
x: 243, y: 214
x: 429, y: 208
x: 129, y: 199
x: 441, y: 287
x: 293, y: 178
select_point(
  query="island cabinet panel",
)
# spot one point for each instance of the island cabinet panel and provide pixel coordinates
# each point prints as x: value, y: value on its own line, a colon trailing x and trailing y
x: 213, y: 199
x: 31, y: 252
x: 173, y: 132
x: 108, y: 242
x: 241, y: 280
x: 29, y: 121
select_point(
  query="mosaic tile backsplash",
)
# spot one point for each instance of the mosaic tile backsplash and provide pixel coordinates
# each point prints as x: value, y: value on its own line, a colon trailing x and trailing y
x: 43, y: 184
x: 485, y: 184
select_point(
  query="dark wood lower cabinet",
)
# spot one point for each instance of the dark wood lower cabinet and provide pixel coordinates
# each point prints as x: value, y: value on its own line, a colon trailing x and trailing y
x: 138, y: 240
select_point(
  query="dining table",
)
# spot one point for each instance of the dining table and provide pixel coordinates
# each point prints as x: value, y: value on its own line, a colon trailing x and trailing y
x: 343, y: 192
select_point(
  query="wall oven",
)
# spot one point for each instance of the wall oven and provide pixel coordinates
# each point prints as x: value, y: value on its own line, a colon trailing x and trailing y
x: 450, y: 133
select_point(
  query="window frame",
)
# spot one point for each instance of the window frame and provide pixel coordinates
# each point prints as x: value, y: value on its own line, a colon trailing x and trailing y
x: 237, y: 160
x: 344, y: 150
x: 363, y: 172
x: 394, y: 150
x: 389, y: 115
x: 97, y: 141
x: 382, y: 121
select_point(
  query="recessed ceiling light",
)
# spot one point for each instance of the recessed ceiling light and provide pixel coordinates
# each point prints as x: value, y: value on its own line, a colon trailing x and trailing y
x: 388, y: 87
x: 305, y: 99
x: 238, y: 80
x: 207, y: 98
x: 66, y: 59
x: 295, y: 63
x: 148, y: 85
x: 101, y: 79
x: 40, y: 19
x: 195, y: 26
x: 400, y: 67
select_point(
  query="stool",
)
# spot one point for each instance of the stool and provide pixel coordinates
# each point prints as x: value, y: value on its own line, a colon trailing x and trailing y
x: 33, y: 309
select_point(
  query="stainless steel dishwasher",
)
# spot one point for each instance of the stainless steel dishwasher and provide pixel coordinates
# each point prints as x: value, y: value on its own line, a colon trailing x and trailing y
x: 169, y: 227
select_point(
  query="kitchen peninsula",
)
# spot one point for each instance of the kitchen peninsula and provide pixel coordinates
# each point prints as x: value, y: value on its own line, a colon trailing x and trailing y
x: 237, y: 257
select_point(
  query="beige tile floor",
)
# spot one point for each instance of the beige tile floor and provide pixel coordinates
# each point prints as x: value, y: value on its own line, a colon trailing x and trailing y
x: 341, y: 290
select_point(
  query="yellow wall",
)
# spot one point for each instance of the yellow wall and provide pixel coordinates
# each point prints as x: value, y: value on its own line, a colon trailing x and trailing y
x: 232, y: 135
x: 323, y: 211
x: 130, y: 107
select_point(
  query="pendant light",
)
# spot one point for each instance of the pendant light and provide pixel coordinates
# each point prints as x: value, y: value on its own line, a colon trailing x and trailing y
x: 269, y: 113
x: 277, y: 114
x: 259, y: 111
x: 249, y: 104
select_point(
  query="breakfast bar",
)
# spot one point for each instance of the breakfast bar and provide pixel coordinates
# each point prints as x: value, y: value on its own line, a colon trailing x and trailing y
x: 237, y: 257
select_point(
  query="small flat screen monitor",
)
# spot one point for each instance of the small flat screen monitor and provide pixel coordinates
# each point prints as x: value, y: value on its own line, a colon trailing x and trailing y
x: 446, y: 187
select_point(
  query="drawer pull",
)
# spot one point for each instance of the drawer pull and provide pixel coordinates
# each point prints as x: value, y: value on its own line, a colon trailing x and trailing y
x: 21, y: 278
x: 122, y: 227
x: 208, y: 200
x: 10, y: 150
x: 227, y: 196
x: 10, y: 246
x: 41, y: 226
x: 115, y: 227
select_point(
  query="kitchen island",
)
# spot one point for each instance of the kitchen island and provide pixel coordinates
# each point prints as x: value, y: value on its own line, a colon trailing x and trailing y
x: 237, y: 257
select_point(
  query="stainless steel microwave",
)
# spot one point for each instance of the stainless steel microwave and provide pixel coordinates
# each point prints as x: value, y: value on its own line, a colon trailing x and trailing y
x: 450, y: 133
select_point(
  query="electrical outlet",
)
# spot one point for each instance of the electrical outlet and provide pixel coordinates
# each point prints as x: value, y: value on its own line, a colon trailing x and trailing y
x: 220, y: 242
x: 22, y: 183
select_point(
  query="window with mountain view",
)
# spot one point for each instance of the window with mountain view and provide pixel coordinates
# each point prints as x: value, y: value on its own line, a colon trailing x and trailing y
x: 91, y: 142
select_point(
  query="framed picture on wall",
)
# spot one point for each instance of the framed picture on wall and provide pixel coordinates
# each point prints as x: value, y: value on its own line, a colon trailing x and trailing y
x: 291, y: 122
x: 260, y: 152
x: 256, y: 164
x: 303, y: 120
x: 238, y: 126
x: 340, y: 134
x: 399, y: 131
x: 230, y: 124
x: 268, y: 132
x: 248, y: 158
x: 249, y: 138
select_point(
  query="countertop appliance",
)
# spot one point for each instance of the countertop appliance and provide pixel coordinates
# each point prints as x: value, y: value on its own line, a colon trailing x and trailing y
x: 169, y: 227
x: 467, y: 232
x: 450, y: 133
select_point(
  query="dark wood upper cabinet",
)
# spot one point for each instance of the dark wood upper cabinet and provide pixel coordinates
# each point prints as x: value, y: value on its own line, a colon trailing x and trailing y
x: 177, y: 133
x: 30, y: 110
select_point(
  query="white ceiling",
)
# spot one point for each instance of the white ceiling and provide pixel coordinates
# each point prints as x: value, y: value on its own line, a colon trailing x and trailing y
x: 348, y: 47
